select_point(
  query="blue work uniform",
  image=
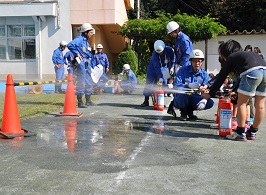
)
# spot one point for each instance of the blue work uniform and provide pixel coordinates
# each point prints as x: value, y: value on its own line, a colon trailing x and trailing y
x: 130, y: 83
x: 101, y: 59
x: 183, y: 48
x: 80, y: 45
x: 156, y: 65
x: 58, y: 60
x: 184, y: 76
x: 68, y: 58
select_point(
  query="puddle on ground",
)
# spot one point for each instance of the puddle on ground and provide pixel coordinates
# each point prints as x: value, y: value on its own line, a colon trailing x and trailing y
x: 77, y: 135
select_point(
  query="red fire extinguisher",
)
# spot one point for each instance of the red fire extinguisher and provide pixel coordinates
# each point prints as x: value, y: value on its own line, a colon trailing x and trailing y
x: 221, y: 100
x: 116, y: 87
x: 159, y: 100
x: 225, y: 118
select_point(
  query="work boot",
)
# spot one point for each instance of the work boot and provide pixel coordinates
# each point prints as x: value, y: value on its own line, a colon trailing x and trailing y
x: 183, y: 116
x: 56, y: 89
x: 60, y: 90
x: 80, y: 102
x: 146, y: 102
x: 171, y: 109
x: 88, y: 101
x: 190, y: 114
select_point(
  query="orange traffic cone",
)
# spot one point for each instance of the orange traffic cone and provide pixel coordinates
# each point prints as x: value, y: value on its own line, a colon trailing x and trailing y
x: 70, y: 133
x: 11, y: 127
x: 70, y: 109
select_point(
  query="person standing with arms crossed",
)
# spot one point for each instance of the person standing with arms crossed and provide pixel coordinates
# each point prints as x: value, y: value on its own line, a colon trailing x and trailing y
x: 252, y: 71
x: 81, y: 49
x: 58, y: 61
x: 183, y: 44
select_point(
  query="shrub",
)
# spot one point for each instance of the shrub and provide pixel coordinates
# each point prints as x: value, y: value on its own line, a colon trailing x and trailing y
x: 127, y: 56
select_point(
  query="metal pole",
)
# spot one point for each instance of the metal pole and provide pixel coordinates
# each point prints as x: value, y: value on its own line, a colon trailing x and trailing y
x: 138, y: 9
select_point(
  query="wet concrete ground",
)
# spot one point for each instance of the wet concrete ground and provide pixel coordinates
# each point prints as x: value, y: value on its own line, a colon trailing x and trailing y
x: 118, y: 147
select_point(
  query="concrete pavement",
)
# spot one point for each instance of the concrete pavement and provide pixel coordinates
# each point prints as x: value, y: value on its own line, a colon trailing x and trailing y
x: 117, y: 148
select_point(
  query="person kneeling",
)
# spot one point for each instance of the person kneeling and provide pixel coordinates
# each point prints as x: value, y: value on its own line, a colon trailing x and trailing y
x: 191, y: 81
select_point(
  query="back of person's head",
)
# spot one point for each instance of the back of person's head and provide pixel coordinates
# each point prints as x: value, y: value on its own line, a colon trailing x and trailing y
x: 170, y: 80
x: 257, y: 50
x: 248, y: 48
x: 229, y: 47
x: 211, y: 75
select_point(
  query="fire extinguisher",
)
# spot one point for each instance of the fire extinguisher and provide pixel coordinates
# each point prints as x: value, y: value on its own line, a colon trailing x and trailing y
x: 225, y: 118
x: 116, y: 87
x: 221, y: 100
x: 158, y: 100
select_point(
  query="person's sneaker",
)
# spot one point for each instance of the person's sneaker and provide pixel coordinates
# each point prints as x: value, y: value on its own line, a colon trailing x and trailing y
x: 250, y: 135
x: 237, y: 137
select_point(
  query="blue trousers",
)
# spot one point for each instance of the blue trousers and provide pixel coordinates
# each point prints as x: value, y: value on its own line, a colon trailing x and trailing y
x: 183, y: 101
x: 127, y: 85
x: 84, y: 84
x: 59, y: 74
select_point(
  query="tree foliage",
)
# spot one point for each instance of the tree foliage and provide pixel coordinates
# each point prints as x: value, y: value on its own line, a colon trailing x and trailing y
x: 145, y: 32
x: 233, y: 14
x: 127, y: 56
x: 197, y: 28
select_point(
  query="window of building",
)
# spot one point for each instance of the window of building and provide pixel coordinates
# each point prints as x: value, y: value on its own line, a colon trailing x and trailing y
x: 17, y: 42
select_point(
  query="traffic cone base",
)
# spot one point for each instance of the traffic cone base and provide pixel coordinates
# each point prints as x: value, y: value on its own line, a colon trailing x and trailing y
x: 11, y: 127
x: 11, y: 136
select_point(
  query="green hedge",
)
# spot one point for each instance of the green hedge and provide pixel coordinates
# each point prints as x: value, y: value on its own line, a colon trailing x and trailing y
x: 127, y: 56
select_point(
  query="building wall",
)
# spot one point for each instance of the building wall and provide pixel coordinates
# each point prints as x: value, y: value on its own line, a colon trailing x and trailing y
x: 52, y: 35
x: 106, y: 16
x: 49, y: 30
x: 98, y: 12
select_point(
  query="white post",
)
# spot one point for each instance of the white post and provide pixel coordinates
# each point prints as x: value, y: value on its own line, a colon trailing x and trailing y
x: 138, y: 11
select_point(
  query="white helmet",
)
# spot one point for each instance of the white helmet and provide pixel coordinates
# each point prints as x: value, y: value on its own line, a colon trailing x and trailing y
x: 126, y: 67
x: 85, y: 27
x: 196, y: 53
x: 172, y: 26
x: 99, y: 46
x: 63, y: 43
x: 159, y: 46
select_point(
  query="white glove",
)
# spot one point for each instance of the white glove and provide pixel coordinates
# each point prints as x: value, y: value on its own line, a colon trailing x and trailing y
x: 202, y: 104
x: 161, y: 80
x: 193, y: 85
x: 172, y: 71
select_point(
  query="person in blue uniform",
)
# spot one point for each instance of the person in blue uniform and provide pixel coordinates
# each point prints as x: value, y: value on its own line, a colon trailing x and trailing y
x: 101, y: 59
x: 183, y: 44
x: 160, y: 67
x: 190, y: 77
x: 252, y: 71
x: 81, y: 49
x: 130, y: 83
x: 58, y: 61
